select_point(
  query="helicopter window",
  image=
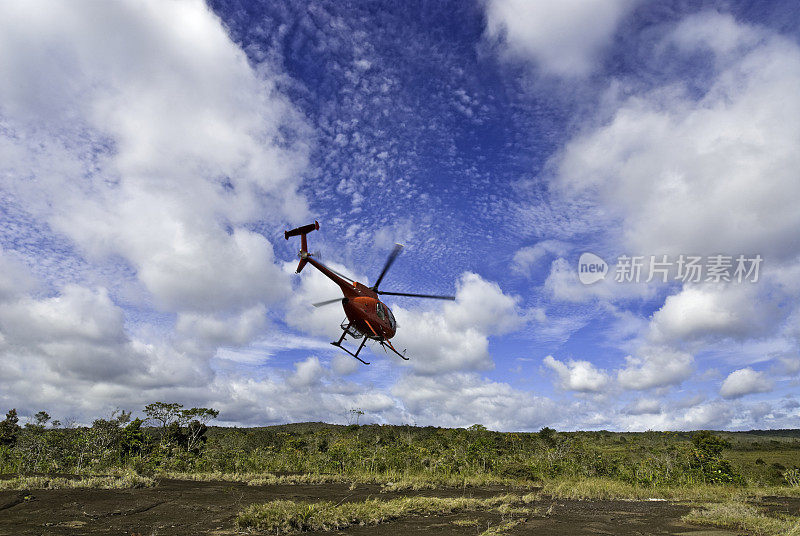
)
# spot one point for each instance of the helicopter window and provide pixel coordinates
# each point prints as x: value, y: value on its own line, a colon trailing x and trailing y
x: 381, y: 312
x: 391, y: 318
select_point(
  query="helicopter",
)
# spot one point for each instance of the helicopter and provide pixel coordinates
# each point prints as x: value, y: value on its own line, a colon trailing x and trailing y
x: 367, y: 317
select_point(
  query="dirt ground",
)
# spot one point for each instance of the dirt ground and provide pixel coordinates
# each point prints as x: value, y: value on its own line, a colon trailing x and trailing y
x: 192, y: 508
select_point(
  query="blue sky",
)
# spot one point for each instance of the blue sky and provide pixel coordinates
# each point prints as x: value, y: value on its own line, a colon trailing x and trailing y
x: 152, y: 154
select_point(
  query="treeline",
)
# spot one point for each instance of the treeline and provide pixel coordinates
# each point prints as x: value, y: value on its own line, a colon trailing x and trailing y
x: 171, y: 439
x: 174, y: 437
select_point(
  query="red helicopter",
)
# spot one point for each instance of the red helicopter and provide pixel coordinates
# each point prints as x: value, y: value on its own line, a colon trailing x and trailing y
x: 367, y: 316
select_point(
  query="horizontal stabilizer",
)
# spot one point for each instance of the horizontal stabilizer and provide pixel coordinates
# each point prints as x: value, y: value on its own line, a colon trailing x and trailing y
x: 302, y: 230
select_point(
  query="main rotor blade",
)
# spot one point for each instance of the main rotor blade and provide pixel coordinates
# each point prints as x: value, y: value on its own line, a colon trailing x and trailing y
x: 434, y: 296
x: 327, y: 302
x: 392, y: 256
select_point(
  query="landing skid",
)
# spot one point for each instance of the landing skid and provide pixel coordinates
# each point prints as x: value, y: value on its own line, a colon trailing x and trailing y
x: 345, y: 330
x: 348, y: 329
x: 387, y: 344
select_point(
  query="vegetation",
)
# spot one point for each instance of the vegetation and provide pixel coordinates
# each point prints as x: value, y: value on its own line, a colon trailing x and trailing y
x: 744, y: 516
x: 119, y: 480
x: 42, y: 446
x: 286, y: 517
x: 172, y: 441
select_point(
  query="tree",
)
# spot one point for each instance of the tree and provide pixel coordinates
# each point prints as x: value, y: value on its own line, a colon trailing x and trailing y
x: 354, y: 415
x: 197, y: 420
x: 133, y: 439
x: 708, y: 445
x: 166, y: 415
x: 41, y: 418
x: 9, y: 429
x: 548, y: 435
x: 163, y: 413
x: 707, y: 458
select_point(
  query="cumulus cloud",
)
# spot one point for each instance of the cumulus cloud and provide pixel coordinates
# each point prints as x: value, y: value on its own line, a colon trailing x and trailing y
x: 643, y: 406
x: 139, y: 136
x: 564, y: 38
x: 715, y: 415
x: 529, y: 257
x: 455, y: 336
x: 15, y: 278
x: 668, y: 166
x: 713, y: 311
x: 744, y: 382
x: 306, y: 373
x: 221, y: 330
x: 79, y: 333
x: 672, y: 168
x: 655, y: 366
x: 149, y: 144
x: 309, y: 393
x: 463, y: 399
x: 579, y: 376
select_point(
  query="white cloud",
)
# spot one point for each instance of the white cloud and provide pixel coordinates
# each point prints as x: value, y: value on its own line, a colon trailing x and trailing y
x: 527, y: 258
x: 719, y: 32
x: 139, y: 135
x: 75, y: 344
x: 713, y: 311
x: 708, y: 175
x: 344, y: 364
x: 744, y: 382
x: 671, y: 172
x: 564, y: 38
x: 310, y: 393
x: 306, y: 373
x: 655, y: 366
x: 454, y: 337
x: 644, y: 406
x: 77, y: 313
x: 216, y: 330
x: 15, y: 278
x: 137, y: 140
x: 579, y: 376
x: 715, y: 415
x: 463, y: 399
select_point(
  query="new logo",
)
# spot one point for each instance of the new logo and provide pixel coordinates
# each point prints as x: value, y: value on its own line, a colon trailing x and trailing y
x: 591, y: 268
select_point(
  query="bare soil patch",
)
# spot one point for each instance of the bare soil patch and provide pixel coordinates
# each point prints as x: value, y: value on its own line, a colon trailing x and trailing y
x: 178, y: 507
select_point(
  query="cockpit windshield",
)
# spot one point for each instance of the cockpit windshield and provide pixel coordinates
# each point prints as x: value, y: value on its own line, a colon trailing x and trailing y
x: 386, y: 313
x: 391, y: 318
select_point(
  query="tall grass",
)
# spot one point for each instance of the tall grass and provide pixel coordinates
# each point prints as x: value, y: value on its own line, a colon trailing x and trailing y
x: 606, y: 488
x: 287, y: 517
x: 118, y: 480
x: 744, y: 516
x: 390, y: 481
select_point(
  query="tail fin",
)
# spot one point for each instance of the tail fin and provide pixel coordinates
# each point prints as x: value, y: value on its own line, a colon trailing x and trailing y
x: 302, y: 231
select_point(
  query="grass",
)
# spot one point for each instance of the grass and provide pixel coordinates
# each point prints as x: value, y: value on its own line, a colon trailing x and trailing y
x: 604, y: 488
x: 287, y: 517
x: 261, y: 479
x: 502, y: 528
x: 586, y: 488
x: 119, y: 480
x: 744, y: 516
x: 389, y: 481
